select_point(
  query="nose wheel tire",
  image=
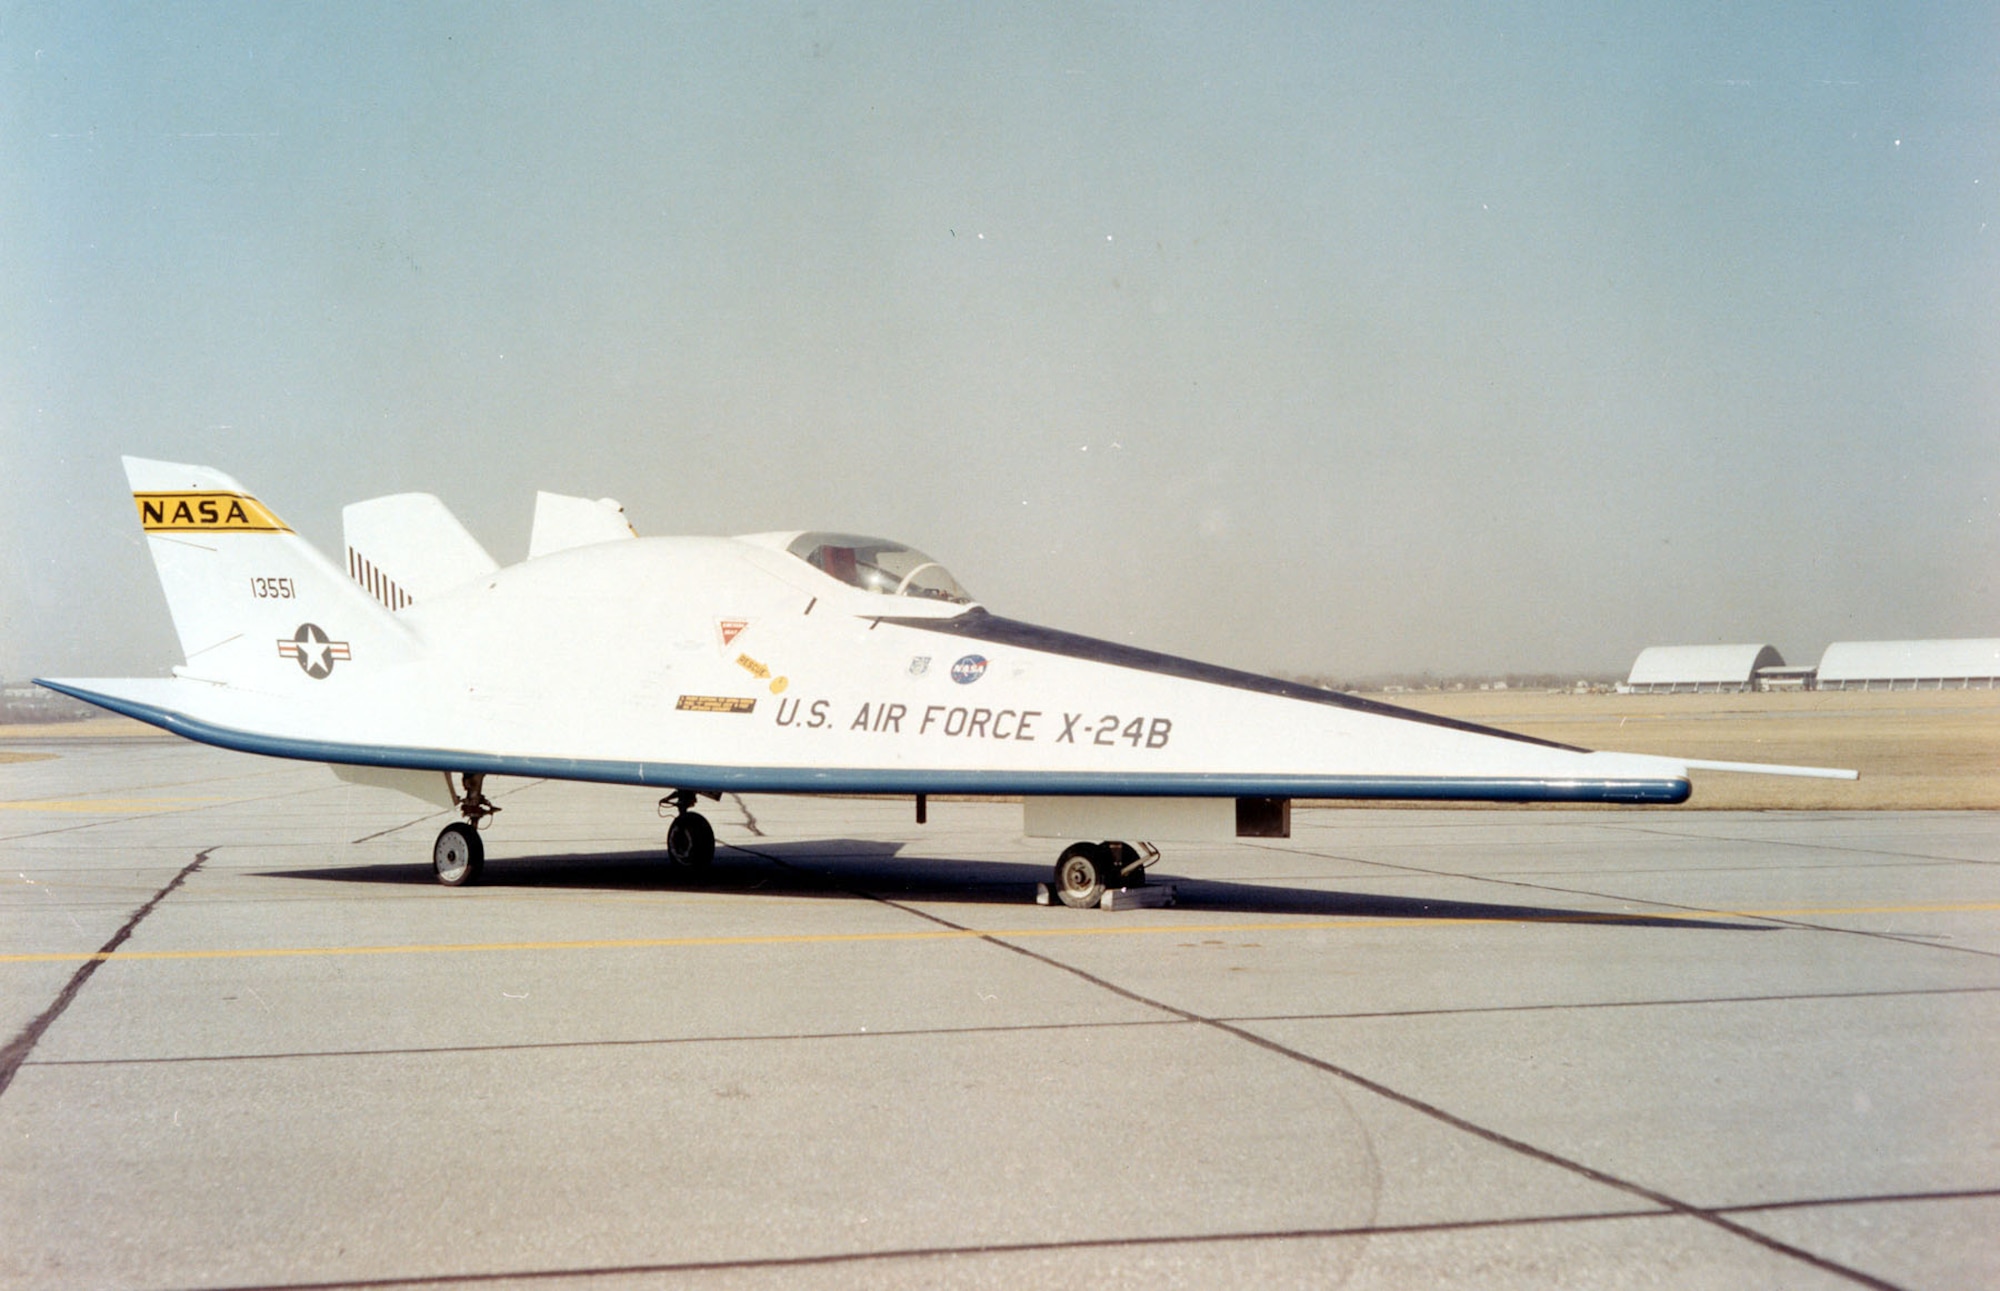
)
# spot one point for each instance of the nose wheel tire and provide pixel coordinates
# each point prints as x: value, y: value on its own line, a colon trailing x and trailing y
x: 458, y: 855
x: 1080, y: 875
x: 690, y: 840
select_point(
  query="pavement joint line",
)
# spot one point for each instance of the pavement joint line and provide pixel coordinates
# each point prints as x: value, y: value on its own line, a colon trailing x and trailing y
x: 1411, y: 1101
x: 1840, y: 867
x: 646, y: 1042
x: 1784, y: 918
x: 1801, y: 997
x: 383, y: 833
x: 642, y: 1042
x: 1800, y: 919
x: 1520, y: 1146
x: 17, y: 1050
x: 965, y: 1251
x: 1787, y: 842
x: 1870, y: 1199
x: 950, y: 931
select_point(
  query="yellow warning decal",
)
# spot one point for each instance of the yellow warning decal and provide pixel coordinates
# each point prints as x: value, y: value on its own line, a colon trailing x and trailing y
x: 206, y: 512
x: 716, y: 704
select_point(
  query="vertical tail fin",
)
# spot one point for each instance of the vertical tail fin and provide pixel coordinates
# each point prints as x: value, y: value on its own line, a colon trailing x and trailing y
x: 253, y: 603
x: 409, y: 547
x: 563, y: 522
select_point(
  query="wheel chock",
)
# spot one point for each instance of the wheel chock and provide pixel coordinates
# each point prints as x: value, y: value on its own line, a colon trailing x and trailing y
x: 1141, y: 898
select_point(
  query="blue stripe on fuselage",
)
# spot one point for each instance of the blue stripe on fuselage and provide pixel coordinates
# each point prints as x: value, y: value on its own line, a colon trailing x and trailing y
x: 752, y: 779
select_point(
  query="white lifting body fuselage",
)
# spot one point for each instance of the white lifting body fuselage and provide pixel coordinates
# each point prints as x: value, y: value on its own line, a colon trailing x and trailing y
x: 712, y: 661
x: 768, y: 663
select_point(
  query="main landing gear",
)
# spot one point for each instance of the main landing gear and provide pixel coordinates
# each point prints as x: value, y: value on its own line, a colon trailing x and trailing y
x: 458, y: 855
x: 690, y: 838
x: 1087, y: 869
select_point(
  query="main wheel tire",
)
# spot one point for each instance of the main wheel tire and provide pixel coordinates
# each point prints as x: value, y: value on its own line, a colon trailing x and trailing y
x: 1080, y: 875
x: 458, y: 855
x: 690, y: 840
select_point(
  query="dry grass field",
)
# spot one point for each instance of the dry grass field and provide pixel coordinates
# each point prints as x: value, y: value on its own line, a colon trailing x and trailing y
x: 1914, y: 749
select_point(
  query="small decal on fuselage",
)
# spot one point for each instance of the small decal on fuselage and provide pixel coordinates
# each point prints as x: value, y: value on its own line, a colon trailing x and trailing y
x: 762, y: 673
x: 969, y: 669
x: 730, y: 629
x: 716, y: 704
x: 920, y: 665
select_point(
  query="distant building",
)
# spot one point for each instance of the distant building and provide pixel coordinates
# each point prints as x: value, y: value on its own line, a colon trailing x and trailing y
x: 1910, y: 665
x: 32, y: 704
x: 1700, y: 669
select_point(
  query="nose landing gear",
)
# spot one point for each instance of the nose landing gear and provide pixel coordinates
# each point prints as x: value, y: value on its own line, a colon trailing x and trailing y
x: 458, y: 856
x: 1086, y: 870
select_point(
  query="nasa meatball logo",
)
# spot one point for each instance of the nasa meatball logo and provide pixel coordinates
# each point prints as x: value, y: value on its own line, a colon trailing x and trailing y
x: 969, y: 669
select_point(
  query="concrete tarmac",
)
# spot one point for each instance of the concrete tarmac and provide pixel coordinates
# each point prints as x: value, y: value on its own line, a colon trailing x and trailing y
x: 250, y: 1042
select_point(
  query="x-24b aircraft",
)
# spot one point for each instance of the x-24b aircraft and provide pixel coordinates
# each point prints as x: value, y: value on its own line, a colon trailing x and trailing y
x: 770, y: 663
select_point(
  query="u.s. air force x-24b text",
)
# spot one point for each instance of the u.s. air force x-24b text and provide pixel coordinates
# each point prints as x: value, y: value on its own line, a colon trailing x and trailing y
x: 1029, y: 724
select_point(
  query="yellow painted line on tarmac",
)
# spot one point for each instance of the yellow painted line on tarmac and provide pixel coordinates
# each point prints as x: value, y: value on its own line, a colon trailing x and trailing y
x: 114, y: 805
x: 1329, y: 924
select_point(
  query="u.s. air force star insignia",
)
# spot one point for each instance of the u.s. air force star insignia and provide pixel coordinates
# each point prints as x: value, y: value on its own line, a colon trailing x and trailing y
x: 316, y: 654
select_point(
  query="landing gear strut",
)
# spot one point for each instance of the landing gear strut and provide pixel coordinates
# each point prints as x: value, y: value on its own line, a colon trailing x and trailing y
x: 690, y: 838
x: 1087, y: 869
x: 458, y: 856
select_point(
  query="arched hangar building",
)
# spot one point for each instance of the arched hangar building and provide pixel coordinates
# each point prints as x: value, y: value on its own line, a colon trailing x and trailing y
x: 1910, y: 665
x: 1700, y: 669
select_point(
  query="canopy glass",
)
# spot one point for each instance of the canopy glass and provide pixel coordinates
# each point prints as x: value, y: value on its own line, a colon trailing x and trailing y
x: 878, y: 565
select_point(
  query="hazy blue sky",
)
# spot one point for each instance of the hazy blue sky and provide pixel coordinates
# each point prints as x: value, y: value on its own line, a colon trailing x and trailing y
x: 1333, y: 339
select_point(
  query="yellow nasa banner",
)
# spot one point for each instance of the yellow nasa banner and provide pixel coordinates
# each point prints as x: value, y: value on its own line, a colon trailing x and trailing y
x: 206, y: 512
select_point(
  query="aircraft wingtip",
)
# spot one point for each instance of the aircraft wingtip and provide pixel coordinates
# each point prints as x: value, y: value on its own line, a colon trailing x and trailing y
x: 1771, y: 768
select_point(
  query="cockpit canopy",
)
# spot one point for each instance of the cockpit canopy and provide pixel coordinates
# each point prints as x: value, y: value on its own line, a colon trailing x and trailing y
x: 878, y: 565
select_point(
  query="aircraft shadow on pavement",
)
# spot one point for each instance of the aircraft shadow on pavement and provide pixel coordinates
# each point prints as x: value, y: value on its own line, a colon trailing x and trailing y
x: 851, y: 868
x: 648, y: 870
